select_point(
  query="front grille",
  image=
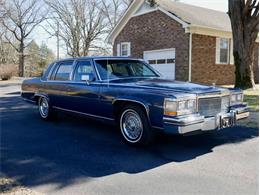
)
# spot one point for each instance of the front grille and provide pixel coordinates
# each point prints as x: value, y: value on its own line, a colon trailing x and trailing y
x: 213, y: 105
x: 225, y: 104
x: 209, y: 106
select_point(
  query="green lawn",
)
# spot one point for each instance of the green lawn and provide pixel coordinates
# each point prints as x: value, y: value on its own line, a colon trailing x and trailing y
x: 250, y: 96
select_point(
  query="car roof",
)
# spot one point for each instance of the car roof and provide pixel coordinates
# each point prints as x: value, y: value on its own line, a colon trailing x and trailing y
x: 98, y: 58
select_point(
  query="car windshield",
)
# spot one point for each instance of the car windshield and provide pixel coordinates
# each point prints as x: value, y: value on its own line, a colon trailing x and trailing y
x: 115, y: 69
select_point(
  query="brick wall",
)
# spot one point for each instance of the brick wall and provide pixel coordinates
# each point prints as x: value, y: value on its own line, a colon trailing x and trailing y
x: 156, y: 30
x: 204, y: 68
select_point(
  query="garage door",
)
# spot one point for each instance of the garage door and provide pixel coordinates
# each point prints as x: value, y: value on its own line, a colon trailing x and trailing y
x: 163, y: 61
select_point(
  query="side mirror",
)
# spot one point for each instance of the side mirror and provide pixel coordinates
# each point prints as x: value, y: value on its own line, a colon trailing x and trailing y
x: 88, y: 78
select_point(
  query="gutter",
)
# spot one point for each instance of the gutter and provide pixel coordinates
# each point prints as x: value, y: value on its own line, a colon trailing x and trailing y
x: 190, y: 56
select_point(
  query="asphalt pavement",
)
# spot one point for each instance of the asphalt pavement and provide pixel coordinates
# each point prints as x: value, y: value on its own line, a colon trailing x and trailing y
x: 75, y: 155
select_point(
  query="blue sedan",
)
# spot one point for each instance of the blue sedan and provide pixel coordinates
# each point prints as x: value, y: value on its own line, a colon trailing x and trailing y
x: 133, y: 95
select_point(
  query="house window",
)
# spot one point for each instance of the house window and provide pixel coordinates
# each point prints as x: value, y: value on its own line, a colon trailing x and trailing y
x: 224, y: 44
x: 152, y: 61
x: 124, y: 49
x: 231, y: 58
x: 222, y: 51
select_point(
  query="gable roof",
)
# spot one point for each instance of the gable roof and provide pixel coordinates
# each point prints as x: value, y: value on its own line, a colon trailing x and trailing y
x: 195, y: 18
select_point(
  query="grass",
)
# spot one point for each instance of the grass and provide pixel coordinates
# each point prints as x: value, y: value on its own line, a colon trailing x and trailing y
x: 250, y: 96
x: 253, y: 102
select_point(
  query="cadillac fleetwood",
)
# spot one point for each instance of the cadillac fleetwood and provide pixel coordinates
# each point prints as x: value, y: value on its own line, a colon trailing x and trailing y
x: 130, y: 93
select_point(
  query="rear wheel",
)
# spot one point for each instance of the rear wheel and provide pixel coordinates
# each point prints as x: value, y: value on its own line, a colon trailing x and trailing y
x: 45, y: 110
x: 134, y: 126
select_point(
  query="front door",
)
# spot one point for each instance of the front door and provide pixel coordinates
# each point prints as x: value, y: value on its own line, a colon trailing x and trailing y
x: 83, y: 91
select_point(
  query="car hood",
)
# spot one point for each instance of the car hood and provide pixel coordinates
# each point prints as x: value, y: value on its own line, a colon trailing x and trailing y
x: 172, y: 85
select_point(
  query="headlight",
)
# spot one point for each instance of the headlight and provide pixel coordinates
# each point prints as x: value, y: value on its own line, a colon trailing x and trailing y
x: 236, y: 98
x: 179, y: 107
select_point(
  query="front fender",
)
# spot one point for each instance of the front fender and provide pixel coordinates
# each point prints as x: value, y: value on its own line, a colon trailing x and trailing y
x: 143, y: 103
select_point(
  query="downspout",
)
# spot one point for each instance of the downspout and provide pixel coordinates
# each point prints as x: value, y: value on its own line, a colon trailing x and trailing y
x: 190, y: 56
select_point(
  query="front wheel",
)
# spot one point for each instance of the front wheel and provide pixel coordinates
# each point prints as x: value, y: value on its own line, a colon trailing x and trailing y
x: 45, y: 109
x: 134, y: 126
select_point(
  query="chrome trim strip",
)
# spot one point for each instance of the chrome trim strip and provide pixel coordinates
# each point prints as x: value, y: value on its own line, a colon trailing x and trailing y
x: 71, y: 82
x: 156, y: 127
x: 130, y: 100
x: 28, y: 100
x: 242, y: 115
x: 188, y: 121
x: 213, y: 95
x: 86, y: 114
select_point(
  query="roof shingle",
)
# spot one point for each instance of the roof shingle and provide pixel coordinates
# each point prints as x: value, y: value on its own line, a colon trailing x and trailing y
x: 197, y: 16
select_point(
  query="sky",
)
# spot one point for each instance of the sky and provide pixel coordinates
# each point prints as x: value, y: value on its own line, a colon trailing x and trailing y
x: 40, y: 36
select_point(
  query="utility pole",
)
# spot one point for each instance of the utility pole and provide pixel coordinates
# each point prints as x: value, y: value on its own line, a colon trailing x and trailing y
x: 58, y: 41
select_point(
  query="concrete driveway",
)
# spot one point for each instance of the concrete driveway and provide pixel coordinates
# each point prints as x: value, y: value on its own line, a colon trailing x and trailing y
x: 78, y: 156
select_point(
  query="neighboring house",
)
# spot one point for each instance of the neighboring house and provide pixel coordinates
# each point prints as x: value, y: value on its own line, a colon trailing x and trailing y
x: 181, y: 41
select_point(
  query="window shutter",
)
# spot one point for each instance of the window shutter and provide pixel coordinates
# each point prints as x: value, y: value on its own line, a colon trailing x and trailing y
x: 118, y: 49
x: 128, y: 49
x: 217, y: 50
x: 231, y: 52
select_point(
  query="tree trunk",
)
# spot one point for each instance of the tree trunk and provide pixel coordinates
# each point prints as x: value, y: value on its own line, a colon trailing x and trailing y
x: 244, y: 22
x: 244, y: 68
x: 21, y: 59
x: 252, y: 70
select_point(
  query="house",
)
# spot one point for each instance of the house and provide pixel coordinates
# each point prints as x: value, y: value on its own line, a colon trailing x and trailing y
x: 181, y: 41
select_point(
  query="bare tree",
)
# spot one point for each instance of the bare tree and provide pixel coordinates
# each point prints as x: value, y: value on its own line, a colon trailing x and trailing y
x: 21, y: 18
x: 244, y: 16
x: 2, y: 11
x: 113, y: 10
x: 81, y: 24
x: 8, y: 54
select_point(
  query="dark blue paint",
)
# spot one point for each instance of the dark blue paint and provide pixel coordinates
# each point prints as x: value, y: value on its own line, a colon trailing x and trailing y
x: 97, y: 97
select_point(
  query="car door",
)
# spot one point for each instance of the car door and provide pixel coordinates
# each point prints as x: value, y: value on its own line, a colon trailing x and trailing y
x: 83, y: 91
x: 57, y: 84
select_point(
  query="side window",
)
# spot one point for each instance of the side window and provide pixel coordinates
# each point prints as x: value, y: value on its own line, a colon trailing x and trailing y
x: 121, y: 70
x: 84, y: 71
x: 63, y: 71
x: 46, y: 73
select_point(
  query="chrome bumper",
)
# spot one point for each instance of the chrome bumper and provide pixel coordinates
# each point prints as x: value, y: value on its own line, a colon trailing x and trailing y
x: 196, y: 122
